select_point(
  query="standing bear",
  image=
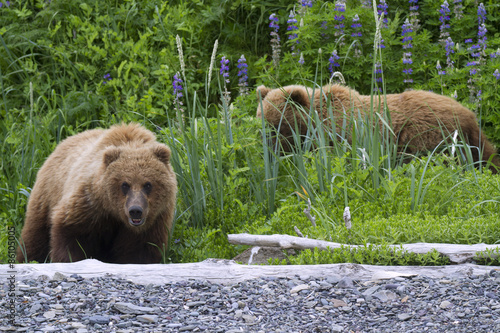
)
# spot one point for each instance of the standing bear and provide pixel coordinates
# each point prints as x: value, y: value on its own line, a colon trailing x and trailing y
x: 103, y: 194
x: 420, y: 120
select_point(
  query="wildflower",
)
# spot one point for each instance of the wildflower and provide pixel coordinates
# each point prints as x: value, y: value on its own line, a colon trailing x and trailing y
x: 439, y: 69
x: 333, y: 62
x: 495, y: 54
x: 449, y: 49
x: 458, y: 9
x: 181, y: 55
x: 243, y: 75
x: 443, y: 19
x: 407, y: 61
x: 107, y: 77
x: 356, y: 26
x: 455, y: 95
x: 274, y: 22
x: 496, y: 74
x: 301, y: 59
x: 307, y: 3
x: 414, y: 14
x: 324, y: 26
x: 224, y: 69
x: 339, y: 28
x: 481, y: 14
x: 275, y: 39
x: 382, y: 9
x: 293, y: 36
x: 177, y: 84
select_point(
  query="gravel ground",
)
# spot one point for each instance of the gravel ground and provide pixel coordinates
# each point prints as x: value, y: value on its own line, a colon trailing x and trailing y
x: 299, y: 304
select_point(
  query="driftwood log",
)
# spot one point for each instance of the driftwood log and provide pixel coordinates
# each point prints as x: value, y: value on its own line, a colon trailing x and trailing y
x: 457, y: 253
x: 226, y: 271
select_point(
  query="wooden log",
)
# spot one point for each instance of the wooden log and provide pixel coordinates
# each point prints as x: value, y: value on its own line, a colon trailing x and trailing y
x: 457, y: 253
x: 227, y: 271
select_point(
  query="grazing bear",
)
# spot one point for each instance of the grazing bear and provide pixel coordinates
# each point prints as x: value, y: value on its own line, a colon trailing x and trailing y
x: 418, y: 118
x: 103, y: 194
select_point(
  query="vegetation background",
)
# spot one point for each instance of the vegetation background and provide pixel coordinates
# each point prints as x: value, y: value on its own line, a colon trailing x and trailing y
x: 68, y: 66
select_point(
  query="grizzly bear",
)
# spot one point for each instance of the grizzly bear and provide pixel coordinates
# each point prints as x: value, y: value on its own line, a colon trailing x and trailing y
x: 420, y: 120
x: 103, y: 194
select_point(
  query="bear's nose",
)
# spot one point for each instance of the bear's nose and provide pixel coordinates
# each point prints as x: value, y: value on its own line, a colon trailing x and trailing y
x: 135, y: 212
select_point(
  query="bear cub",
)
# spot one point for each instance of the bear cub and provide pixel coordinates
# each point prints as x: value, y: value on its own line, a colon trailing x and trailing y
x: 103, y: 194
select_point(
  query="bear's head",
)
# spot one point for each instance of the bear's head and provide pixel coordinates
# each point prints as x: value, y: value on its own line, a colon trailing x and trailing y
x: 139, y: 183
x: 286, y: 109
x: 284, y: 100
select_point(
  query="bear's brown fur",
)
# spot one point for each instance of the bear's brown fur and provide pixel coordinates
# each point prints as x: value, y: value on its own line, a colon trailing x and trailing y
x: 418, y: 118
x: 103, y: 194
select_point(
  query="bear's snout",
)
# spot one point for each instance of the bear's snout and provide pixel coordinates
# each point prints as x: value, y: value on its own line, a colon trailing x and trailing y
x: 136, y: 208
x: 135, y: 213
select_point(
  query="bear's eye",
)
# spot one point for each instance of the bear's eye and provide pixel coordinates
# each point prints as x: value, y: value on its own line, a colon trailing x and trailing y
x: 125, y: 187
x: 148, y: 187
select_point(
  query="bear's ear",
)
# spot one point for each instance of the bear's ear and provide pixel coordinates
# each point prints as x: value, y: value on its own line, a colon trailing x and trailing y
x: 111, y: 154
x: 162, y: 153
x: 300, y: 97
x: 263, y: 91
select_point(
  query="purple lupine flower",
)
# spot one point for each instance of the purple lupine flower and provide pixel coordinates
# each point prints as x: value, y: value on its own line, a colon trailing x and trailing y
x: 333, y: 62
x: 275, y: 39
x: 481, y: 13
x: 414, y: 14
x: 495, y: 54
x: 224, y: 69
x: 449, y: 47
x: 339, y: 18
x: 356, y: 26
x: 458, y: 9
x: 243, y: 75
x: 366, y: 3
x: 439, y: 69
x: 107, y: 77
x: 324, y: 26
x: 407, y: 61
x: 496, y: 74
x: 274, y: 22
x: 301, y: 58
x: 382, y: 8
x: 444, y: 18
x: 307, y: 3
x: 293, y: 36
x: 378, y: 78
x: 177, y: 84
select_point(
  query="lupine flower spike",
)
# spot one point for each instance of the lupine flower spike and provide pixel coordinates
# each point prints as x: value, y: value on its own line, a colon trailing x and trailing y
x: 275, y: 39
x: 356, y: 27
x: 243, y: 75
x: 407, y: 60
x: 444, y: 18
x: 224, y: 71
x: 414, y: 15
x: 339, y: 18
x: 293, y: 36
x: 177, y: 84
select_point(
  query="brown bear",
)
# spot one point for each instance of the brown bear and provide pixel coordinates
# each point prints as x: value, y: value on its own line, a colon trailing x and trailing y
x: 103, y: 194
x: 419, y: 119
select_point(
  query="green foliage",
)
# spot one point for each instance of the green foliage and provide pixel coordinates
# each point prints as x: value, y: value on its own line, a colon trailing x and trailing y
x: 367, y: 254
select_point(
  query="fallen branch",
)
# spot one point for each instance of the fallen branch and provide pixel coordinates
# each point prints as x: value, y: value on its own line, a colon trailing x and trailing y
x: 457, y: 253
